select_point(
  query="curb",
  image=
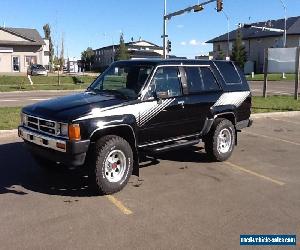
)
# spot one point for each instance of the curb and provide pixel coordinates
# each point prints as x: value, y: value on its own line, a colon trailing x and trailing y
x: 275, y: 114
x: 8, y: 133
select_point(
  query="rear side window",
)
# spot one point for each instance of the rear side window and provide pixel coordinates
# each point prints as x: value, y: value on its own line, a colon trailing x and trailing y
x: 200, y: 79
x: 228, y: 72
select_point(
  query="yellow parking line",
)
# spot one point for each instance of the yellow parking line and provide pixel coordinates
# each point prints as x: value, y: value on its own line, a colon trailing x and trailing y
x: 119, y: 205
x: 272, y: 138
x: 280, y: 183
x: 275, y: 119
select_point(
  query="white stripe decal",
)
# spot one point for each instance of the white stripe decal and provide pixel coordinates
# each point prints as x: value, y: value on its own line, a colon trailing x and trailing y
x: 143, y: 111
x: 232, y: 98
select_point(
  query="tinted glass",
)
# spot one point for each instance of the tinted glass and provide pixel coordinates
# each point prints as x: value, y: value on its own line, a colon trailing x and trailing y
x: 166, y: 82
x: 209, y: 80
x: 200, y: 79
x: 194, y: 80
x: 229, y: 73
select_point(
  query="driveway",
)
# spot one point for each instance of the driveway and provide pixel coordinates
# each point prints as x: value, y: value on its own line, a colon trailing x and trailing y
x: 180, y: 201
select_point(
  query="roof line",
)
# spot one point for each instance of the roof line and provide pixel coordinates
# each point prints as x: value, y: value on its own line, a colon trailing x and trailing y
x: 17, y: 34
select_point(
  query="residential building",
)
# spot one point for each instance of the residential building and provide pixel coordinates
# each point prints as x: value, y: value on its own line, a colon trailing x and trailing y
x: 137, y: 49
x: 257, y: 40
x: 20, y: 47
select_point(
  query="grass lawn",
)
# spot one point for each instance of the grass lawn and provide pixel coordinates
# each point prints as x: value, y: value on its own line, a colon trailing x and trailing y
x: 271, y: 77
x: 274, y: 104
x: 14, y: 83
x: 9, y: 118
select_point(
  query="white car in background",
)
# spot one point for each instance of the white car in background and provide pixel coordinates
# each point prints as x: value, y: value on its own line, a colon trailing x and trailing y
x: 37, y: 69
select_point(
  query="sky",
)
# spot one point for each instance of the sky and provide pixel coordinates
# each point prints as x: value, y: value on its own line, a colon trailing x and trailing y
x: 97, y: 23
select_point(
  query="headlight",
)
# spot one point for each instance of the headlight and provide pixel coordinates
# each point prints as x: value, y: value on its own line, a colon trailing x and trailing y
x: 63, y: 129
x: 24, y: 119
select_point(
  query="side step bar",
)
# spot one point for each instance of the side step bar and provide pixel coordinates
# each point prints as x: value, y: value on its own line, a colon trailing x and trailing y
x: 176, y: 145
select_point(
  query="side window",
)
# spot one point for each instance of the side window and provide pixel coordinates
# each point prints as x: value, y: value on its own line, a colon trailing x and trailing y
x: 200, y: 79
x: 210, y: 82
x: 228, y: 72
x: 166, y: 82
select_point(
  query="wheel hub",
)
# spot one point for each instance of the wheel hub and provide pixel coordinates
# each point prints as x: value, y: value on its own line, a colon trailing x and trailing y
x: 224, y: 141
x: 115, y: 166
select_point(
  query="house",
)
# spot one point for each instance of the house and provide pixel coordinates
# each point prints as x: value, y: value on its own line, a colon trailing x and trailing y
x: 256, y: 40
x: 137, y: 49
x: 20, y: 47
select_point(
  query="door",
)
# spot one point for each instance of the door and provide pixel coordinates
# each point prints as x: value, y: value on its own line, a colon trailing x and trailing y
x: 165, y: 120
x: 203, y: 92
x: 16, y: 63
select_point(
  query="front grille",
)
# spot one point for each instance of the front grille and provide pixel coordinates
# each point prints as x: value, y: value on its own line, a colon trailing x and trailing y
x: 45, y: 126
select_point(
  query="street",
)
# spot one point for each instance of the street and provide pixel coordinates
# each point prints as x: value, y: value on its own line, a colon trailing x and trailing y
x: 19, y: 99
x: 180, y: 201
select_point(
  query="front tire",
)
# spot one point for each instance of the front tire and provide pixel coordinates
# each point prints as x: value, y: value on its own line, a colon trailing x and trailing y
x: 219, y: 143
x: 111, y: 165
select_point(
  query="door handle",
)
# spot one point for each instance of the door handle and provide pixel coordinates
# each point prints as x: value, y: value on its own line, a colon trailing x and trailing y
x: 181, y: 103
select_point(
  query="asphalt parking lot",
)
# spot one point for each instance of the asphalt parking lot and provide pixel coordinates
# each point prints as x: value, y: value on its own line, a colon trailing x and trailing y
x: 180, y: 201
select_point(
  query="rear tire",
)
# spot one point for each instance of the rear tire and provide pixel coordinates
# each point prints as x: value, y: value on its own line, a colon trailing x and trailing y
x: 111, y: 164
x: 220, y: 141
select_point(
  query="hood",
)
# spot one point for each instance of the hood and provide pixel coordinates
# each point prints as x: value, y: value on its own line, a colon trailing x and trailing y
x: 70, y: 107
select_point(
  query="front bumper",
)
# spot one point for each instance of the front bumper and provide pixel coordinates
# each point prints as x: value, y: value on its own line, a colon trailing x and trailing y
x: 71, y: 153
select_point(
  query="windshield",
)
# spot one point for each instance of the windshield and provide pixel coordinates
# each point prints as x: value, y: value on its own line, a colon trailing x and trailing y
x: 123, y: 79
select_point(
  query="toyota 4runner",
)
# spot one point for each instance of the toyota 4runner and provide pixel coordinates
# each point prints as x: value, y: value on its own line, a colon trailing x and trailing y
x: 140, y: 106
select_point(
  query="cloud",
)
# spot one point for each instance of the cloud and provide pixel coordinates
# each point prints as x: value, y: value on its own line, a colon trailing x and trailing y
x: 180, y: 26
x: 194, y: 42
x: 183, y: 43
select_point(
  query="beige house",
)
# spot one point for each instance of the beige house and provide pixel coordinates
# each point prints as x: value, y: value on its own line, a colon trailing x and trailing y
x: 137, y: 49
x: 256, y: 40
x: 20, y: 47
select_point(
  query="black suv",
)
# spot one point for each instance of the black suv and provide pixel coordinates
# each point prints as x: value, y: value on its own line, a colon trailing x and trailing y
x: 140, y: 106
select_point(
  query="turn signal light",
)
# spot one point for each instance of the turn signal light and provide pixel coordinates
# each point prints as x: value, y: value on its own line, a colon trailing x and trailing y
x: 74, y: 132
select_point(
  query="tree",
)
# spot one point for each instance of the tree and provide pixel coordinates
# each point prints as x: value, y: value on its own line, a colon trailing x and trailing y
x: 88, y: 56
x: 47, y: 33
x: 122, y: 53
x: 239, y: 54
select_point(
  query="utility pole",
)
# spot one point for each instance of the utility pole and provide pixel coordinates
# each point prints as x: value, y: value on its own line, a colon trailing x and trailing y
x: 58, y: 78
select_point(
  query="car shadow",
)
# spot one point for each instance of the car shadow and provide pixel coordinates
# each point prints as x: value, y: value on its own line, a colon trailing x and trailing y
x: 18, y: 169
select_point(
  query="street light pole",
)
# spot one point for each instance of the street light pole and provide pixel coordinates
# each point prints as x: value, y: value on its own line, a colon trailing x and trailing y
x: 165, y: 31
x: 196, y: 8
x: 284, y: 33
x: 285, y: 20
x: 228, y: 28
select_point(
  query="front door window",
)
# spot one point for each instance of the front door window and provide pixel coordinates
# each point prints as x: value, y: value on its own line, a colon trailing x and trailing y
x: 16, y: 64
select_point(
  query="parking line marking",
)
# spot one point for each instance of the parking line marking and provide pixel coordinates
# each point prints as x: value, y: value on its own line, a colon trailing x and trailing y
x: 119, y: 205
x: 275, y: 119
x: 280, y: 183
x: 273, y: 138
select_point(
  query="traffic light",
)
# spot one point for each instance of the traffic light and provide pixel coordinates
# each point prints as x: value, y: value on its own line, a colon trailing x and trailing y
x: 219, y: 5
x: 198, y: 8
x: 169, y: 46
